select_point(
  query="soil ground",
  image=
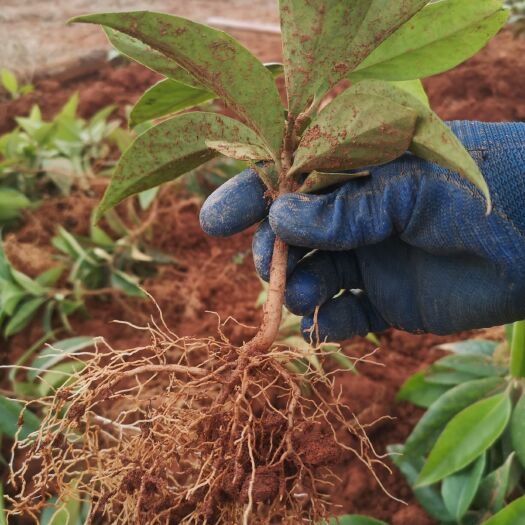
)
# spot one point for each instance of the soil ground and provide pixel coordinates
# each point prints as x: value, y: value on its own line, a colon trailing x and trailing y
x: 217, y: 275
x: 35, y: 36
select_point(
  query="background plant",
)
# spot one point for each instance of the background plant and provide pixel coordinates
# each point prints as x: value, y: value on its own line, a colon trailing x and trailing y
x: 465, y: 459
x: 41, y: 157
x: 10, y: 84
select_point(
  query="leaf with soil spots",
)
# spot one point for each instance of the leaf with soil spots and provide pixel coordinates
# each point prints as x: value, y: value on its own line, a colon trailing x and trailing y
x: 468, y: 435
x: 171, y: 149
x: 415, y: 88
x: 215, y: 60
x: 172, y: 96
x: 353, y: 131
x: 238, y: 151
x: 324, y: 40
x: 318, y: 180
x: 438, y: 38
x: 433, y: 140
x: 149, y: 57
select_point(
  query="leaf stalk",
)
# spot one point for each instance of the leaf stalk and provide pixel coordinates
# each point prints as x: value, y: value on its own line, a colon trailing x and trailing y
x: 517, y: 350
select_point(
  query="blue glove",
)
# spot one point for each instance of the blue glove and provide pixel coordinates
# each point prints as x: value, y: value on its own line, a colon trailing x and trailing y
x: 410, y: 245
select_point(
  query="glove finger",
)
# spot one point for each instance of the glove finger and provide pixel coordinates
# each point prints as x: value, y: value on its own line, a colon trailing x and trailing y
x: 355, y: 215
x: 235, y: 205
x: 262, y: 249
x: 341, y: 318
x: 318, y: 278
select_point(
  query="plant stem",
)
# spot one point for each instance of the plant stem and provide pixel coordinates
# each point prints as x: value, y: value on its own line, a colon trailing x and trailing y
x: 517, y: 350
x: 273, y: 306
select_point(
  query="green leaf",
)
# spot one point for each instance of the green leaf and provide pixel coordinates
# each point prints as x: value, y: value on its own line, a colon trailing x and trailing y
x: 11, y: 414
x: 318, y: 180
x: 126, y: 283
x: 23, y: 316
x: 355, y: 519
x: 517, y: 429
x: 415, y: 88
x: 51, y: 355
x: 66, y: 510
x: 147, y: 197
x: 428, y: 497
x: 433, y: 139
x: 324, y: 40
x: 494, y: 487
x: 69, y: 109
x: 448, y: 378
x: 3, y: 517
x: 467, y: 436
x: 169, y: 150
x: 471, y: 347
x: 171, y: 96
x: 166, y: 97
x: 29, y: 285
x: 417, y: 391
x: 445, y: 408
x: 9, y: 82
x: 509, y: 330
x: 58, y: 376
x: 478, y: 365
x: 11, y: 295
x: 355, y: 130
x: 459, y: 490
x: 513, y: 514
x: 438, y: 38
x: 50, y: 277
x: 12, y: 202
x: 215, y: 60
x: 99, y: 236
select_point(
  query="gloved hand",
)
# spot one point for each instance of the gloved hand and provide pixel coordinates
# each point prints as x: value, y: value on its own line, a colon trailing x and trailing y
x: 412, y: 237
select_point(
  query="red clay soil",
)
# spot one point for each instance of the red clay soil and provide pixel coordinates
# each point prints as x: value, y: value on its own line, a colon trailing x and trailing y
x: 218, y: 276
x: 490, y: 87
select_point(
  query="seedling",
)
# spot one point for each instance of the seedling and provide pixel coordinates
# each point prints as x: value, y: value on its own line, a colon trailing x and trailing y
x: 465, y: 459
x: 10, y: 84
x: 216, y: 433
x: 104, y: 263
x: 41, y: 157
x: 23, y: 298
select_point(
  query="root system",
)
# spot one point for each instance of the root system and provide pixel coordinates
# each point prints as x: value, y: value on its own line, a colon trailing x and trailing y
x: 189, y: 431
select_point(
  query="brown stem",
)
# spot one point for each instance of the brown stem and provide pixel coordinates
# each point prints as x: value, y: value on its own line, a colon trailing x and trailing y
x: 273, y: 306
